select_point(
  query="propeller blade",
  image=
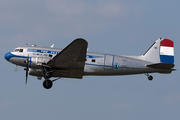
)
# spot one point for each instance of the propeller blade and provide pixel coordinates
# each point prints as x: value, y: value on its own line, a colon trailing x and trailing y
x: 26, y: 76
x: 27, y: 68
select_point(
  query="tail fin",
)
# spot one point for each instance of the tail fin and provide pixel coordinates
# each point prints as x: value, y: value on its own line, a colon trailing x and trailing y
x: 162, y: 51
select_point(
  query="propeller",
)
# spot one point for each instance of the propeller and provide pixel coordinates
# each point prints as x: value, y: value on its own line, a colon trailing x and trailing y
x: 27, y: 68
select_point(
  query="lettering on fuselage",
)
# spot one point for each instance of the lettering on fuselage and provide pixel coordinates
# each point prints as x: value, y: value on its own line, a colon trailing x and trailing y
x: 40, y: 54
x: 43, y: 51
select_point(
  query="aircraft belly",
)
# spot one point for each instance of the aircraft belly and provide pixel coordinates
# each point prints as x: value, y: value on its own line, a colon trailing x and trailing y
x: 120, y: 70
x: 94, y: 70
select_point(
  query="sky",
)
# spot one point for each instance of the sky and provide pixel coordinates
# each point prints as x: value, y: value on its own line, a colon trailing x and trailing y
x: 120, y: 27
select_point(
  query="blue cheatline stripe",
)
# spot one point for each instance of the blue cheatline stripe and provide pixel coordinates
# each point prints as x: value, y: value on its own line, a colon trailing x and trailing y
x: 110, y: 66
x: 167, y: 59
x: 43, y: 51
x: 56, y: 52
x: 93, y: 56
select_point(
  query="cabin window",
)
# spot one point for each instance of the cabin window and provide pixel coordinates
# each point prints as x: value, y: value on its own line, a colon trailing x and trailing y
x: 20, y: 50
x: 50, y: 55
x: 93, y: 60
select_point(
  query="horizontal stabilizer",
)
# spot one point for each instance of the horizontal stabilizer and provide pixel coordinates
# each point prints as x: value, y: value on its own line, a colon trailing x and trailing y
x: 161, y: 66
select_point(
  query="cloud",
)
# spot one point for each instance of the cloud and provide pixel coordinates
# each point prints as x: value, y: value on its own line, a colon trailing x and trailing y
x: 53, y: 19
x: 77, y: 17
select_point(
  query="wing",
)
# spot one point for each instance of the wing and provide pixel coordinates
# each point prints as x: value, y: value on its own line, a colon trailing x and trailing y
x: 70, y: 61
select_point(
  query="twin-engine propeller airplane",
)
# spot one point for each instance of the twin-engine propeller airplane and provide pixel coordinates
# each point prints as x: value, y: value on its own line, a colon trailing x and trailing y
x: 75, y: 62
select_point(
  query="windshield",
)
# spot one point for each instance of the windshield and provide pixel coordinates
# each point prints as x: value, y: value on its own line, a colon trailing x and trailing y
x: 18, y: 50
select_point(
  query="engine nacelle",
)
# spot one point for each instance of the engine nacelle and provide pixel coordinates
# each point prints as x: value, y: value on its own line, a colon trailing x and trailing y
x: 36, y: 62
x: 36, y: 65
x: 35, y: 72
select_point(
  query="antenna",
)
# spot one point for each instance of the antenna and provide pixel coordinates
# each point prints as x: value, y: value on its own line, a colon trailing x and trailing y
x: 52, y: 45
x: 28, y: 44
x: 33, y: 45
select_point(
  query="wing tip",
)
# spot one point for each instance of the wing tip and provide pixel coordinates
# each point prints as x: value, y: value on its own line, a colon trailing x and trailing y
x: 80, y: 39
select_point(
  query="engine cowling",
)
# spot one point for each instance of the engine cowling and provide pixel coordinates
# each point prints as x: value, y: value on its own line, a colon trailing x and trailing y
x: 36, y: 62
x: 35, y: 72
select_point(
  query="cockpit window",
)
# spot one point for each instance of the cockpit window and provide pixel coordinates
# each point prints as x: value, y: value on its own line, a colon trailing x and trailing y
x: 18, y: 50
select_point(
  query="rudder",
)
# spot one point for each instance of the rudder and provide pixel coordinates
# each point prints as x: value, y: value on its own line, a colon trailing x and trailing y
x: 167, y: 51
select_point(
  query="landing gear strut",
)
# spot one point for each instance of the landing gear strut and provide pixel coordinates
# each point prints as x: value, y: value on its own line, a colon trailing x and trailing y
x: 149, y: 76
x: 47, y: 73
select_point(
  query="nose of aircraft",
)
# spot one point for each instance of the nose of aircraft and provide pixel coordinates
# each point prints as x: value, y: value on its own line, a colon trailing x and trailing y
x: 7, y: 56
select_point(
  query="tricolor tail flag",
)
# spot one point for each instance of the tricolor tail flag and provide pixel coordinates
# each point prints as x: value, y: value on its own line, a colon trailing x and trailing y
x: 167, y: 51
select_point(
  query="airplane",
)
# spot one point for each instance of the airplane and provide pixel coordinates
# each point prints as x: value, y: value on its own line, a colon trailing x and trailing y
x: 75, y: 62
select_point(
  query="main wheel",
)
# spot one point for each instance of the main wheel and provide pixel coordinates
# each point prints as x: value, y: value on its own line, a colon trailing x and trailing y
x: 47, y: 84
x: 150, y: 77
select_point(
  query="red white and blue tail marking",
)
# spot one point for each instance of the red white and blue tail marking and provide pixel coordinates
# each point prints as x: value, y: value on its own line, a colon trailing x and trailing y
x: 167, y: 51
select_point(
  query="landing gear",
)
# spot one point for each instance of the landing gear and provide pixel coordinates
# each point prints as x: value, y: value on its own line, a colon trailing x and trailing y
x: 47, y: 73
x: 47, y: 84
x: 149, y: 76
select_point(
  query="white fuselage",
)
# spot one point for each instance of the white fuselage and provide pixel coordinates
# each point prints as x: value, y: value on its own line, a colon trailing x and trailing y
x: 95, y: 64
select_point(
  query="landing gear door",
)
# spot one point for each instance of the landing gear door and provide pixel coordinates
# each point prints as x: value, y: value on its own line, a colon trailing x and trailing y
x: 108, y: 62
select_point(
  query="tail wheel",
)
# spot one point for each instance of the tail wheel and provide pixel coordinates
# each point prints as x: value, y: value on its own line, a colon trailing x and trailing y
x: 47, y: 84
x: 149, y: 76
